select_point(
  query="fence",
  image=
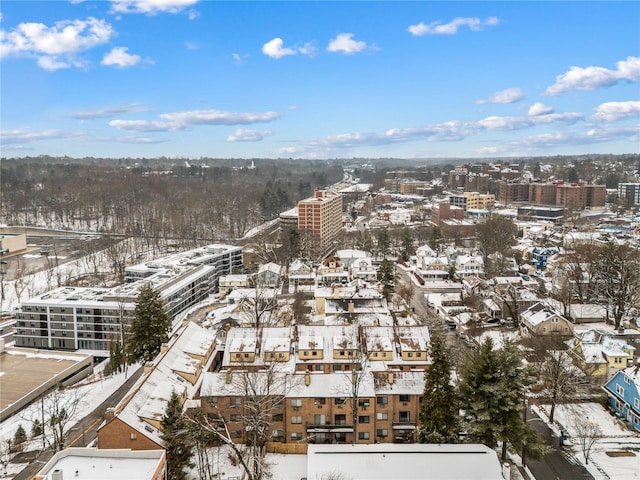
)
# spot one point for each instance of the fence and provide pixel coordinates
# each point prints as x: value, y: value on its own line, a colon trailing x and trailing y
x: 291, y: 448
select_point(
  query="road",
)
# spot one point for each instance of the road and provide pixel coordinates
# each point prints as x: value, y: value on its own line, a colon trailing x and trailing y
x: 555, y: 465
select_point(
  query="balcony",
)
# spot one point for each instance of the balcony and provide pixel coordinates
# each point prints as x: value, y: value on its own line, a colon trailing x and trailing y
x: 328, y: 428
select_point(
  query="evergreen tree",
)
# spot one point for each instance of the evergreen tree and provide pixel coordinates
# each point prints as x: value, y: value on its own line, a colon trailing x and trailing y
x: 439, y: 408
x: 150, y: 326
x: 492, y: 393
x: 36, y: 428
x: 20, y: 436
x: 407, y: 244
x: 386, y: 276
x: 383, y: 242
x: 176, y: 437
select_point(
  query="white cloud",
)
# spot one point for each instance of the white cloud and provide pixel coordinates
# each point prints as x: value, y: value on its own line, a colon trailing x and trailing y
x: 51, y: 64
x: 239, y: 58
x: 110, y: 111
x: 151, y: 7
x: 591, y: 78
x: 612, y: 111
x: 510, y: 95
x: 242, y: 135
x: 438, y: 28
x: 217, y: 117
x: 191, y: 45
x: 344, y: 43
x: 193, y: 14
x: 8, y: 137
x: 119, y: 57
x: 539, y: 109
x: 308, y: 49
x: 274, y: 49
x: 55, y: 47
x: 145, y: 126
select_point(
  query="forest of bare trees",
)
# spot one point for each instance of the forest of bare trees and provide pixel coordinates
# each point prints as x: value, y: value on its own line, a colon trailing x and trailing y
x: 191, y: 204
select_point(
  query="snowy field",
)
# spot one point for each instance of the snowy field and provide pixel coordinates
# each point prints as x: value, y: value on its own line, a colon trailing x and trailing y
x: 615, y: 456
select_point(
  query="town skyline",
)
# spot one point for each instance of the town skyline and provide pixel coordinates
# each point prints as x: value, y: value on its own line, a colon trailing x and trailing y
x: 319, y: 79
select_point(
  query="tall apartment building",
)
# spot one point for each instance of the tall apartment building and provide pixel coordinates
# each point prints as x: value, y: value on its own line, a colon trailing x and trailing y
x: 321, y: 216
x: 630, y: 191
x: 568, y: 195
x: 72, y: 318
x: 472, y: 200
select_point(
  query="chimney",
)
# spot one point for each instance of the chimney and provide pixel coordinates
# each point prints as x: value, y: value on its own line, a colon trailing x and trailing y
x: 229, y: 377
x: 56, y: 475
x: 390, y: 378
x: 148, y: 367
x: 110, y: 414
x: 506, y: 471
x: 307, y: 378
x: 351, y: 307
x: 164, y: 347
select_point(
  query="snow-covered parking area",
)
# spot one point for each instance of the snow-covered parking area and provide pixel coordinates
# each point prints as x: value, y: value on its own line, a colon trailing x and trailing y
x: 615, y: 453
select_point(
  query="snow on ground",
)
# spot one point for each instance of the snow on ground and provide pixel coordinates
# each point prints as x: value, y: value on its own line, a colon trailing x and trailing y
x: 93, y: 391
x: 616, y: 439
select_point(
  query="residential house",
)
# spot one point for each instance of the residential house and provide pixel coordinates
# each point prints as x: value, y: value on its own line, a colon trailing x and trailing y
x: 541, y: 319
x: 623, y: 391
x: 467, y: 265
x: 302, y: 278
x: 269, y: 275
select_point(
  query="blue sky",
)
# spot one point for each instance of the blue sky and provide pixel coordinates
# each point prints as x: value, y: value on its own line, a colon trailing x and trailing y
x: 188, y: 78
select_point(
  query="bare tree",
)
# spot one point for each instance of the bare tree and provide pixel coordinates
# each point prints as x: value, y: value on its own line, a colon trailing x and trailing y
x: 262, y: 393
x: 586, y: 433
x: 559, y: 379
x: 58, y: 411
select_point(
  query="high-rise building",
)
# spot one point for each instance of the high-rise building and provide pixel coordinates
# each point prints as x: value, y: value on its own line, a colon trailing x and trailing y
x: 630, y: 191
x: 321, y: 217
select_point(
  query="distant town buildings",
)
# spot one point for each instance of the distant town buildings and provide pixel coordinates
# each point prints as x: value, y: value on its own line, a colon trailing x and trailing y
x: 630, y: 192
x: 568, y: 195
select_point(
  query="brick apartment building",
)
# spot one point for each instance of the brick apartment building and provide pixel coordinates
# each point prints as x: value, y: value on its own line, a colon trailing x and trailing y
x: 569, y: 195
x: 321, y: 217
x: 311, y: 371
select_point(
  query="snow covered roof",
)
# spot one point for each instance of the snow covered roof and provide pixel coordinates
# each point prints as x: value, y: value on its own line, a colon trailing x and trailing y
x: 152, y: 392
x: 406, y: 461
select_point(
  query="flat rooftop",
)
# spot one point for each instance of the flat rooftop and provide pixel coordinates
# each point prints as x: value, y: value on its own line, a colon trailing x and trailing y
x: 22, y: 371
x: 84, y: 464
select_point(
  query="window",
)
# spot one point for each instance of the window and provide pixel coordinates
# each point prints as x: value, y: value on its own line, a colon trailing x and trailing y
x: 235, y: 401
x: 341, y: 419
x: 314, y: 353
x: 296, y: 419
x: 212, y: 401
x: 620, y: 390
x: 404, y: 398
x: 617, y: 360
x: 339, y: 401
x: 363, y: 419
x: 382, y: 416
x: 342, y: 353
x: 133, y: 436
x: 235, y: 417
x: 626, y: 379
x: 296, y: 402
x: 277, y: 433
x: 277, y: 417
x: 419, y: 354
x: 236, y: 433
x: 405, y: 417
x: 320, y: 401
x: 319, y: 419
x: 382, y: 432
x: 636, y: 403
x: 383, y: 400
x: 305, y: 354
x: 296, y: 436
x: 363, y: 402
x: 410, y: 354
x: 363, y: 435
